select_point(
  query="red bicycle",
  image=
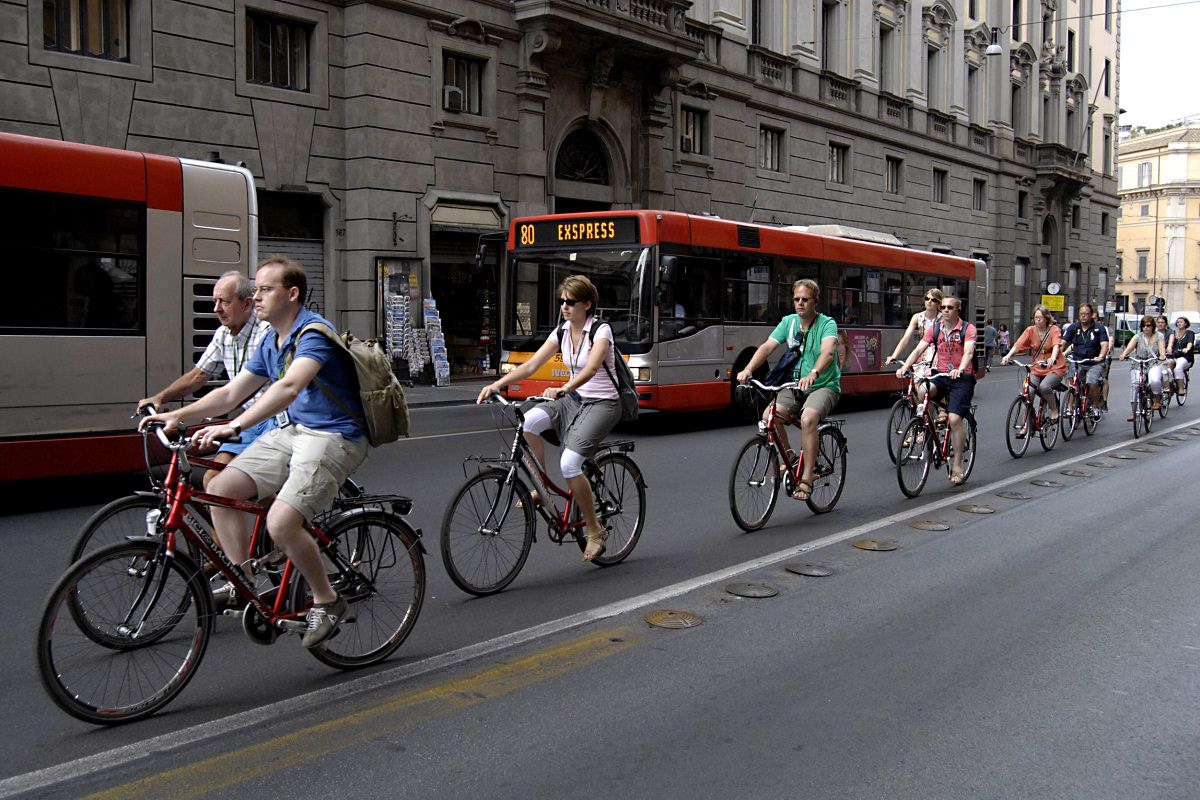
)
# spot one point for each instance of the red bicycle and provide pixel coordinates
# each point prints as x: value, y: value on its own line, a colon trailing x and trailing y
x: 1028, y: 415
x: 126, y: 627
x: 903, y: 410
x: 926, y: 443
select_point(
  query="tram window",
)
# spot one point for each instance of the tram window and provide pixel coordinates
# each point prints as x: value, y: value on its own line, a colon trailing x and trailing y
x: 78, y: 260
x: 747, y: 288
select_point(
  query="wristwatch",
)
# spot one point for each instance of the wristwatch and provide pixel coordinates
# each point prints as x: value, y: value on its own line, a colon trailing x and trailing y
x: 816, y: 373
x: 237, y: 429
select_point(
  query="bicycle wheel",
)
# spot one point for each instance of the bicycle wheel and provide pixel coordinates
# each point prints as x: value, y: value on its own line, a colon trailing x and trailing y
x: 754, y: 484
x: 969, y: 448
x: 1017, y: 427
x: 1181, y: 390
x: 1048, y: 432
x: 123, y: 677
x: 1142, y: 416
x: 1164, y: 405
x: 376, y: 563
x: 487, y: 532
x: 1068, y: 414
x: 619, y: 494
x: 915, y: 457
x: 121, y: 520
x: 1091, y: 418
x: 829, y: 473
x: 902, y: 412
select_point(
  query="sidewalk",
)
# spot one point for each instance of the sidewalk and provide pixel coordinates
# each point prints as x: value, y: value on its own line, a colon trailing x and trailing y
x: 460, y: 392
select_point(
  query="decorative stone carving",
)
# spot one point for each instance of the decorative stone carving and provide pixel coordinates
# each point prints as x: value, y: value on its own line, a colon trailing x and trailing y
x: 468, y: 28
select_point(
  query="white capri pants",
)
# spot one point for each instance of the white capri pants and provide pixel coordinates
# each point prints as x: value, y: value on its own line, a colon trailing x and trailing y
x: 1155, y: 378
x: 1181, y: 365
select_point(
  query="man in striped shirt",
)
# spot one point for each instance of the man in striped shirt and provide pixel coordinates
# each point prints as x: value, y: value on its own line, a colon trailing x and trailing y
x: 231, y: 347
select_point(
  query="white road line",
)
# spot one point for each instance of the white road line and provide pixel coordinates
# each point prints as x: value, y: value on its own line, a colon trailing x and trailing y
x: 39, y: 780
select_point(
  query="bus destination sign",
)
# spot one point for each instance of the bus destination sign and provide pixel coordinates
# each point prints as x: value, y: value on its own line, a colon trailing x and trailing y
x: 552, y: 233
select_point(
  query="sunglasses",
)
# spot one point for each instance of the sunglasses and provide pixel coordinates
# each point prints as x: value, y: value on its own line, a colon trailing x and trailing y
x: 949, y: 308
x: 931, y: 299
x: 801, y: 299
x: 1148, y: 325
x: 566, y: 301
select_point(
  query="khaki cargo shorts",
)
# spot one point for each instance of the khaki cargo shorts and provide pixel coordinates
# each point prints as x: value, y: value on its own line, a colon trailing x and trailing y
x: 302, y: 467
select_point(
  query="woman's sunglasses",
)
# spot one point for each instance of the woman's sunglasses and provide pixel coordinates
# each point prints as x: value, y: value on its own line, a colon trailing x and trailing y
x: 566, y: 301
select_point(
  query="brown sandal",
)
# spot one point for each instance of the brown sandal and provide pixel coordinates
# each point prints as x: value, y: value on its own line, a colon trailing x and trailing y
x: 595, y: 545
x: 803, y: 490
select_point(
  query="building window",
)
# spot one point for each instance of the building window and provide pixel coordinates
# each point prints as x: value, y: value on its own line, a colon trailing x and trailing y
x: 1143, y: 258
x: 1022, y: 204
x: 462, y: 84
x: 1106, y: 77
x: 1075, y: 217
x: 97, y: 28
x: 830, y: 36
x: 1120, y: 266
x: 839, y: 162
x: 1145, y: 210
x: 934, y: 79
x: 893, y: 176
x: 973, y: 95
x: 972, y: 9
x: 939, y: 186
x: 1019, y: 271
x: 1018, y: 110
x: 1070, y: 50
x: 1108, y: 4
x: 277, y: 52
x: 1106, y: 168
x: 978, y: 194
x: 887, y: 40
x: 1102, y: 281
x: 1016, y: 20
x: 691, y: 131
x: 770, y: 149
x: 1104, y: 223
x: 1073, y: 277
x: 1143, y: 174
x: 1047, y: 28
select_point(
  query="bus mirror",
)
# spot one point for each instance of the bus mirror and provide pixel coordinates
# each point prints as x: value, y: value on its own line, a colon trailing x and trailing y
x: 666, y: 272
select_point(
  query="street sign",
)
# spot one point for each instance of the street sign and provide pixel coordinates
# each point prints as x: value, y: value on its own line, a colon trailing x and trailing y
x: 1054, y: 302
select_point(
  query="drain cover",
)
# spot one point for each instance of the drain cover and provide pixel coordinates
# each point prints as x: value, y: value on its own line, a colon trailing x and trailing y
x: 875, y: 544
x: 1076, y: 473
x: 1014, y: 495
x: 1044, y: 482
x: 1122, y: 456
x: 971, y: 508
x: 1100, y: 464
x: 751, y: 590
x: 666, y: 618
x: 1159, y: 443
x: 1141, y: 448
x: 1175, y: 437
x: 810, y: 570
x: 929, y: 525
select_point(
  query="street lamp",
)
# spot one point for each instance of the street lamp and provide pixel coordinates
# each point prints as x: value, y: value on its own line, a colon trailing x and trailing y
x: 994, y: 48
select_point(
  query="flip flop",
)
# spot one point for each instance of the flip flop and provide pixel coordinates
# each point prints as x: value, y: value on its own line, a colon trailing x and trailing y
x: 958, y: 479
x: 595, y: 545
x: 801, y: 493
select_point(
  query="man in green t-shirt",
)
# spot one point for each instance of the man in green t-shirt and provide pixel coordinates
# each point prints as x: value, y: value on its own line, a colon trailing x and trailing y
x: 815, y: 337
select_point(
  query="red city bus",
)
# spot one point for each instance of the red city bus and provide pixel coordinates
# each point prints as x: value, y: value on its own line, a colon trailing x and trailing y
x: 112, y: 256
x: 691, y: 297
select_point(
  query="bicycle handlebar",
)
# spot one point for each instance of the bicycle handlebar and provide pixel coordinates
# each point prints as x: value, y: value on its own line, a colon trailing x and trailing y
x: 1143, y: 360
x: 755, y: 382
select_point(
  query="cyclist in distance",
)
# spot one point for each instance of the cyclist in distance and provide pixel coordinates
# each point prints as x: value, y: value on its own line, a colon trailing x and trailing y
x: 815, y: 338
x: 1148, y: 344
x: 921, y: 322
x: 585, y: 408
x: 317, y: 440
x: 232, y: 344
x: 1043, y: 341
x: 953, y: 343
x: 1181, y: 347
x: 1088, y: 341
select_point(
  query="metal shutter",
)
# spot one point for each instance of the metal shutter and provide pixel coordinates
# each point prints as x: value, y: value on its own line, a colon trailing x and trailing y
x: 311, y: 254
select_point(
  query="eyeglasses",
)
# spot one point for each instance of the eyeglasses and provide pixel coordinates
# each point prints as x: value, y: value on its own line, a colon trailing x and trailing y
x: 566, y: 301
x: 801, y: 299
x: 949, y: 307
x: 265, y: 289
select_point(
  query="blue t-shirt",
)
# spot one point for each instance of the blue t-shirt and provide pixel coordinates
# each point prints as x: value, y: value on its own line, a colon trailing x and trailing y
x: 313, y: 408
x: 1087, y: 342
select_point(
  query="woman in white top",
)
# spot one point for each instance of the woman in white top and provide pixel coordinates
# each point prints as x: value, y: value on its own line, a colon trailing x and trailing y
x: 1148, y: 344
x: 920, y: 322
x: 585, y: 408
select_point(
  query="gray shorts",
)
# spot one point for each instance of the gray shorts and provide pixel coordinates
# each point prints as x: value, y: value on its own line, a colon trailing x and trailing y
x: 581, y: 425
x: 822, y: 400
x: 302, y: 467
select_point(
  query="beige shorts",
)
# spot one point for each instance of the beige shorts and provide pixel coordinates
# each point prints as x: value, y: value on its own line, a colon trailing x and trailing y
x: 820, y: 400
x: 302, y: 467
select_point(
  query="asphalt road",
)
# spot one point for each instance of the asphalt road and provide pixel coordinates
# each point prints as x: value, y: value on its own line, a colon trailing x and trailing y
x: 1020, y: 654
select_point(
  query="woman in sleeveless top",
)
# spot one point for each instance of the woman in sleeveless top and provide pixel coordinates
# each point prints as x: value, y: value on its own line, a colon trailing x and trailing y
x: 917, y: 326
x: 1182, y: 347
x: 1149, y: 343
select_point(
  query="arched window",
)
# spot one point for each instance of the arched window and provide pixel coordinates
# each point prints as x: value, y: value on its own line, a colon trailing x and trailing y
x: 582, y: 158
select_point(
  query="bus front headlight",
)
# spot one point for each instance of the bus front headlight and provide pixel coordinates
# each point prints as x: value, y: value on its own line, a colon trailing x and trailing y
x: 641, y: 374
x: 506, y: 367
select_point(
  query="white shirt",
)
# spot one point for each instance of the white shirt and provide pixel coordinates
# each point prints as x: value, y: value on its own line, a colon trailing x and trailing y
x: 575, y: 356
x: 231, y: 351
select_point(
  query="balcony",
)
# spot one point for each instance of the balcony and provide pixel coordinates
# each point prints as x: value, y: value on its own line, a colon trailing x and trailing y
x: 942, y: 126
x: 839, y: 91
x: 895, y: 111
x: 770, y: 69
x: 1063, y: 165
x: 981, y: 139
x: 657, y: 28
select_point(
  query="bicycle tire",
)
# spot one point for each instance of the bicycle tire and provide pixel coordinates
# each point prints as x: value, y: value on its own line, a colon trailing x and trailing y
x: 1048, y: 430
x: 106, y: 685
x: 121, y: 520
x: 829, y: 473
x: 754, y: 484
x: 385, y: 587
x: 1180, y: 399
x: 1090, y: 419
x: 1068, y: 415
x: 1140, y: 417
x: 902, y: 412
x: 484, y: 563
x: 1019, y: 417
x: 970, y: 448
x: 1164, y: 405
x: 617, y: 484
x: 915, y: 457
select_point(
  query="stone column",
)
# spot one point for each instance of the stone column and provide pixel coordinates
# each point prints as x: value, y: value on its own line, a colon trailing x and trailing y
x: 532, y: 92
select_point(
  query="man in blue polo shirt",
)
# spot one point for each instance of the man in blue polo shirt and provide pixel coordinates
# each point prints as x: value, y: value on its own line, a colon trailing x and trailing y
x: 1087, y: 341
x: 316, y: 444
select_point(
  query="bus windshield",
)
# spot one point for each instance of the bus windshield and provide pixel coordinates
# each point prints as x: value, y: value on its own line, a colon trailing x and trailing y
x: 623, y: 278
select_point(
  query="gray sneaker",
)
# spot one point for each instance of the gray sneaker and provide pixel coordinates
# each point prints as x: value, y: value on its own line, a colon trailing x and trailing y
x: 224, y: 597
x: 323, y: 619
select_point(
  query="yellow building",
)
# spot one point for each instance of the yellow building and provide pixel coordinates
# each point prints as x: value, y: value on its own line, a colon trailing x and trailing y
x: 1158, y: 226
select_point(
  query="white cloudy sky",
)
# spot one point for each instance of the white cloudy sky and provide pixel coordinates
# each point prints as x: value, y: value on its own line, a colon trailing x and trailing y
x: 1160, y: 61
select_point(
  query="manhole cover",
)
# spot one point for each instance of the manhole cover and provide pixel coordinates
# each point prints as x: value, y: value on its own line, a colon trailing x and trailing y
x: 929, y: 525
x: 1175, y: 437
x: 809, y: 570
x: 1076, y: 473
x: 875, y: 544
x: 1044, y: 482
x: 1159, y: 443
x: 972, y: 508
x: 1014, y: 495
x: 1100, y: 465
x: 1122, y: 456
x: 1141, y: 448
x: 667, y: 618
x: 751, y: 590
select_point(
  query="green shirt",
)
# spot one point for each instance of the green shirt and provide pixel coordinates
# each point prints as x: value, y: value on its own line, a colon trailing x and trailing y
x: 790, y: 333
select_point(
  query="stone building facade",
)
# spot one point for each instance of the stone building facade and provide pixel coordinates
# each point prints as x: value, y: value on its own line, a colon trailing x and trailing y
x: 1158, y: 234
x: 395, y: 133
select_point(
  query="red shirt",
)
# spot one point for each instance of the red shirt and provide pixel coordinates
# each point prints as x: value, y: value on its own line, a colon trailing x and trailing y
x: 1030, y: 339
x: 950, y: 345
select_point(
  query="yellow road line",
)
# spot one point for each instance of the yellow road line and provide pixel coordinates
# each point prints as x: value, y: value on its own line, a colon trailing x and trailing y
x: 248, y: 763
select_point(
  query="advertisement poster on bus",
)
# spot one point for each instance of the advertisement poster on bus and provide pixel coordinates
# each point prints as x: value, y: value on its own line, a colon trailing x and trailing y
x: 864, y: 349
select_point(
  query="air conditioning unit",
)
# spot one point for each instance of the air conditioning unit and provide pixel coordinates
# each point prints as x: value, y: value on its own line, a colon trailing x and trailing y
x: 452, y: 98
x: 685, y: 144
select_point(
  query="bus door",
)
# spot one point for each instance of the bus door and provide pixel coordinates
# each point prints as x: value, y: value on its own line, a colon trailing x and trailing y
x: 691, y: 353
